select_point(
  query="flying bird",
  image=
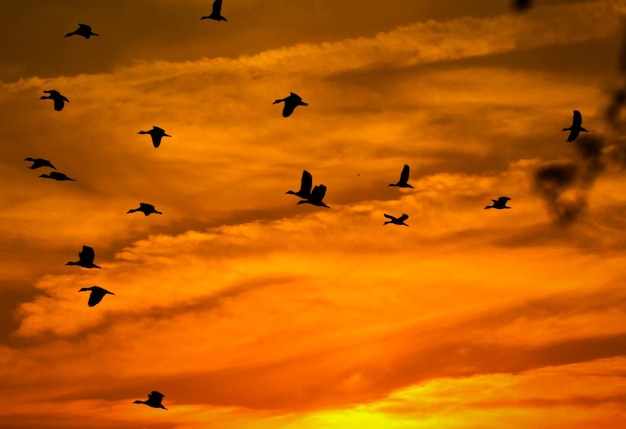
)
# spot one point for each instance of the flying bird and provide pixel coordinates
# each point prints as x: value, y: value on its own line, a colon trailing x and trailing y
x: 499, y: 204
x: 96, y: 295
x: 216, y: 12
x: 85, y: 258
x: 82, y: 30
x: 39, y: 162
x: 154, y: 400
x: 317, y: 195
x: 157, y: 134
x: 145, y: 208
x: 291, y: 102
x: 57, y: 97
x: 305, y: 186
x: 576, y: 127
x: 396, y: 220
x: 56, y: 176
x: 522, y: 5
x: 404, y: 178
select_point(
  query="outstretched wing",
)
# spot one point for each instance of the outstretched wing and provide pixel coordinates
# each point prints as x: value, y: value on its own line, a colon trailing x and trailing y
x: 318, y: 193
x: 95, y: 297
x: 306, y: 183
x: 87, y: 254
x: 288, y: 108
x: 58, y: 102
x: 404, y: 176
x: 156, y: 139
x: 578, y: 119
x: 146, y: 206
x: 217, y: 8
x: 84, y: 27
x: 403, y: 217
x: 388, y: 216
x: 502, y: 200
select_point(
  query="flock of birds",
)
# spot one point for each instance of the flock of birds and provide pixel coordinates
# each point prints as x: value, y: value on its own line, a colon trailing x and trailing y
x: 307, y: 193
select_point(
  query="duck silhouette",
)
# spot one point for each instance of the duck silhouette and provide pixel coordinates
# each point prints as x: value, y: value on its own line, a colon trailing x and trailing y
x: 404, y: 178
x: 55, y: 175
x: 317, y: 195
x: 216, y: 12
x: 576, y: 127
x: 305, y: 186
x: 499, y: 204
x: 145, y: 208
x: 85, y: 258
x: 82, y: 30
x: 396, y: 220
x: 96, y: 295
x: 292, y: 101
x: 157, y: 134
x: 39, y: 162
x: 154, y: 400
x: 57, y: 97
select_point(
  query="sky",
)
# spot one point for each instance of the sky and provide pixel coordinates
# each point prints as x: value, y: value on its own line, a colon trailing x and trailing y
x: 248, y: 310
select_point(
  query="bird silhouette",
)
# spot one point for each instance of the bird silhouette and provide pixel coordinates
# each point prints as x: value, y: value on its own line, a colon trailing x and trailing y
x: 396, y: 220
x: 576, y: 127
x: 522, y: 5
x: 145, y: 208
x: 57, y: 97
x: 404, y: 178
x: 216, y: 12
x: 56, y: 176
x: 39, y: 162
x: 305, y: 186
x: 96, y: 295
x: 317, y: 195
x: 85, y: 258
x: 291, y: 102
x: 154, y: 400
x: 157, y: 134
x: 499, y: 204
x: 82, y: 30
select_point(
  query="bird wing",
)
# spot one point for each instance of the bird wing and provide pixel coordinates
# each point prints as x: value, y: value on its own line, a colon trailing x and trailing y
x: 295, y: 97
x: 155, y: 397
x: 388, y: 216
x: 95, y: 297
x: 146, y: 206
x: 404, y: 176
x: 58, y: 103
x: 159, y: 129
x: 87, y: 254
x: 502, y: 200
x: 318, y: 193
x: 578, y: 119
x: 573, y: 134
x: 403, y: 217
x: 306, y: 183
x: 156, y: 139
x: 217, y: 7
x: 52, y: 92
x: 288, y: 108
x: 84, y: 27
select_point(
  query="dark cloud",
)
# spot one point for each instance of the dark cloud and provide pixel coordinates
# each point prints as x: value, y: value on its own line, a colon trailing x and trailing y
x: 564, y: 185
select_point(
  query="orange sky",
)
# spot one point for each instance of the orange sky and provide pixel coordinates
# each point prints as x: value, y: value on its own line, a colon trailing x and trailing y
x: 247, y: 310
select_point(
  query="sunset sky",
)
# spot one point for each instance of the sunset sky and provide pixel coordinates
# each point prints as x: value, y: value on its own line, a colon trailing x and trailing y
x: 247, y: 310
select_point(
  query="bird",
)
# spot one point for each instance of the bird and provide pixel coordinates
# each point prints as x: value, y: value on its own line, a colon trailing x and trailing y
x: 96, y: 295
x: 82, y: 30
x: 145, y: 208
x: 404, y: 178
x: 56, y: 176
x: 316, y: 197
x: 39, y: 162
x: 396, y: 220
x: 154, y: 400
x: 157, y: 134
x: 576, y: 127
x: 291, y: 102
x: 522, y: 5
x: 85, y: 258
x: 305, y: 186
x: 499, y: 204
x: 216, y: 12
x: 57, y: 97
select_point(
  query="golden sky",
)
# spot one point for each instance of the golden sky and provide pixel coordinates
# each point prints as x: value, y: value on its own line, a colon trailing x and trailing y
x: 247, y: 310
